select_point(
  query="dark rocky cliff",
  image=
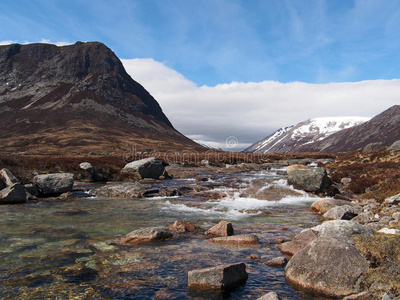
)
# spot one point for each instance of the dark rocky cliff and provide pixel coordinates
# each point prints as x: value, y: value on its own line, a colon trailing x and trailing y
x: 77, y: 98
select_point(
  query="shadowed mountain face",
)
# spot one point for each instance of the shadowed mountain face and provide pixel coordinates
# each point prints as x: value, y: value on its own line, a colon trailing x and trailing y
x: 77, y: 98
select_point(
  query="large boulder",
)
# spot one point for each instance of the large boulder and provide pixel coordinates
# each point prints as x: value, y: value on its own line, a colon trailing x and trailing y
x: 342, y: 229
x: 310, y: 180
x: 220, y: 277
x: 145, y: 235
x: 344, y: 212
x: 329, y: 266
x: 14, y: 193
x: 147, y: 168
x: 54, y: 184
x: 394, y: 147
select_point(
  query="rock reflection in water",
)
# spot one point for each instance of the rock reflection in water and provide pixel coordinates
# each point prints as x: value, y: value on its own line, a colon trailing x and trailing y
x: 58, y: 249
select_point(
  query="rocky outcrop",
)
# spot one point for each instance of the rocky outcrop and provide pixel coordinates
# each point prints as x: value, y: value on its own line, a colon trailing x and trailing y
x: 374, y: 146
x: 147, y: 168
x: 220, y: 277
x: 311, y: 180
x: 54, y: 184
x: 242, y: 239
x: 145, y: 235
x: 223, y: 228
x: 394, y: 147
x: 329, y: 266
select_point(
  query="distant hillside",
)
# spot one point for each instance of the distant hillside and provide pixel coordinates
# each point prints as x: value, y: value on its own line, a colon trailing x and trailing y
x: 77, y: 98
x: 384, y: 127
x: 301, y: 137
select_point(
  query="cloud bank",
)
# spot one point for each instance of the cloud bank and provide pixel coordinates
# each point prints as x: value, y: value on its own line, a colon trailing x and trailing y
x: 250, y: 111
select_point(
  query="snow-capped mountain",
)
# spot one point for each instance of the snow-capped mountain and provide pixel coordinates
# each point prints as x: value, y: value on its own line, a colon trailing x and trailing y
x: 296, y: 138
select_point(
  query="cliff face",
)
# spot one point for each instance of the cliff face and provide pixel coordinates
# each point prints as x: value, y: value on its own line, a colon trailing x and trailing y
x: 77, y: 98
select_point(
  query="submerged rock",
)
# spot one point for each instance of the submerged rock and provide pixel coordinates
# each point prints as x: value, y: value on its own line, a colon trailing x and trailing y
x: 54, y: 184
x: 223, y: 228
x: 310, y: 180
x: 182, y: 227
x: 279, y: 262
x: 329, y: 266
x: 144, y: 235
x: 270, y: 296
x: 147, y: 168
x: 220, y: 277
x: 242, y: 239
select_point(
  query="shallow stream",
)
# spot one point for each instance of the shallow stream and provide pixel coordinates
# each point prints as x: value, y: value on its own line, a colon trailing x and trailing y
x: 56, y: 249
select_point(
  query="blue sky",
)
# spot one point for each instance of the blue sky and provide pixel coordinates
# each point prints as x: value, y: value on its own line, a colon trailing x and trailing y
x: 221, y: 41
x: 222, y: 68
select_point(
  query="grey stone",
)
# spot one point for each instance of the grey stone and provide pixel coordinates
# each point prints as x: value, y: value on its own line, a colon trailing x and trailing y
x: 147, y: 168
x: 328, y: 266
x: 310, y: 180
x: 85, y: 166
x: 394, y: 200
x: 323, y: 205
x: 52, y: 184
x: 364, y: 218
x: 341, y: 229
x: 220, y: 277
x: 344, y: 212
x: 394, y: 147
x: 374, y: 146
x: 13, y: 194
x: 300, y: 241
x: 270, y: 296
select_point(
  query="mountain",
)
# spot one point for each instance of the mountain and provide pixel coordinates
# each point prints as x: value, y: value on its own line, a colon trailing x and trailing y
x: 384, y: 127
x: 300, y: 137
x: 77, y: 98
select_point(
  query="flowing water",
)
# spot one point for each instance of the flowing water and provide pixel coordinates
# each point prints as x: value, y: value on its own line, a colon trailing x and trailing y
x: 57, y: 249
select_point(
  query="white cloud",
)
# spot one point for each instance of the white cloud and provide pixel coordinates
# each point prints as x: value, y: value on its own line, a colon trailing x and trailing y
x: 250, y: 111
x: 43, y: 40
x: 8, y: 42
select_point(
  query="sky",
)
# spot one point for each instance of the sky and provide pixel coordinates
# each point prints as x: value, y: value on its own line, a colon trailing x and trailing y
x: 234, y: 70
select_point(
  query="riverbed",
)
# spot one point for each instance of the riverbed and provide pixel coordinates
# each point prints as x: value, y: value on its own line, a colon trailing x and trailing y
x: 62, y: 248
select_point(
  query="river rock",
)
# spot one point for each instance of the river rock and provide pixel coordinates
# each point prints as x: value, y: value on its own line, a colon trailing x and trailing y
x: 290, y: 168
x: 364, y: 218
x: 394, y: 200
x: 343, y: 212
x: 321, y: 206
x: 327, y: 265
x: 12, y: 194
x: 279, y: 262
x: 220, y: 277
x: 310, y: 180
x: 56, y: 183
x: 270, y: 296
x: 341, y: 229
x: 121, y: 190
x: 7, y: 178
x: 394, y: 147
x: 223, y: 228
x: 147, y: 168
x: 242, y: 239
x: 182, y: 227
x: 144, y: 235
x: 300, y: 241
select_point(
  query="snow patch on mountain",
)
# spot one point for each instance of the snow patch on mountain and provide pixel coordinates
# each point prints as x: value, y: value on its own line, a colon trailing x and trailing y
x: 291, y: 138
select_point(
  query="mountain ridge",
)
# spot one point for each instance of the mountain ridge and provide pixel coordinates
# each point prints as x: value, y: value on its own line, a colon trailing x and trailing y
x: 77, y: 98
